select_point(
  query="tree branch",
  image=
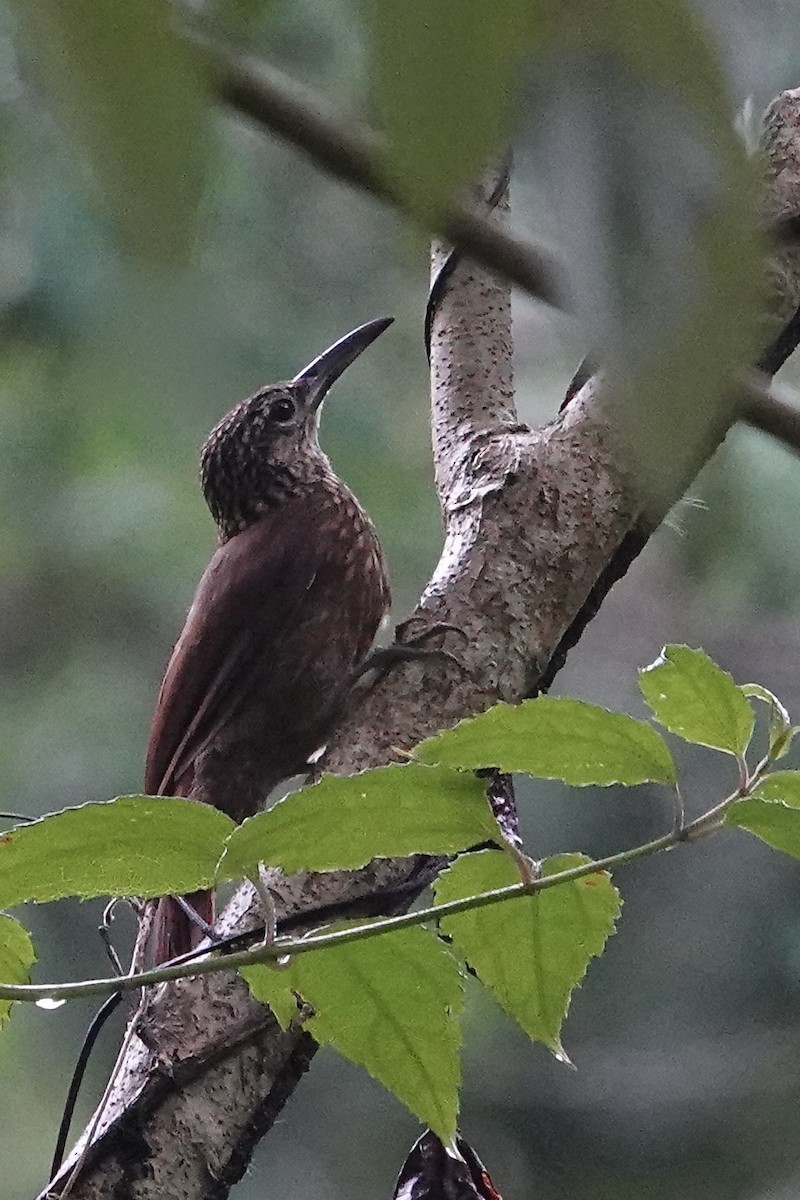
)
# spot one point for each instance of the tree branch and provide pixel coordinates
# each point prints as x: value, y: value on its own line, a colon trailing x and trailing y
x: 207, y: 1036
x: 471, y: 356
x: 355, y: 154
x: 350, y: 152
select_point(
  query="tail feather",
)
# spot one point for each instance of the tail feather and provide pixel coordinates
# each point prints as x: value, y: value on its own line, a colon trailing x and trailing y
x: 173, y: 931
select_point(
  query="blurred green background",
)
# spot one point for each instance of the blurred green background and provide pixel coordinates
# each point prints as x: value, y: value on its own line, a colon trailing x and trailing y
x: 685, y: 1034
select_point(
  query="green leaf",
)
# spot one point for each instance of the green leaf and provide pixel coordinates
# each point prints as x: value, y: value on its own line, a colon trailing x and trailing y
x: 694, y: 698
x: 530, y: 952
x: 16, y: 958
x: 239, y: 16
x: 124, y: 82
x: 388, y: 1003
x: 342, y: 823
x: 555, y: 738
x: 775, y: 820
x: 780, y: 740
x: 131, y: 846
x: 444, y: 76
x: 781, y: 787
x: 781, y: 732
x: 714, y: 330
x: 660, y: 41
x: 670, y: 387
x: 273, y: 986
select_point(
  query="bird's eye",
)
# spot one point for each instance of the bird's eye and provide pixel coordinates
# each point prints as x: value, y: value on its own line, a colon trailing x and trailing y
x: 282, y: 410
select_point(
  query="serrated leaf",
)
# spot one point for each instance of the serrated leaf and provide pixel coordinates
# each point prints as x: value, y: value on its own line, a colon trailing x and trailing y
x: 694, y: 698
x: 759, y: 692
x: 131, y: 846
x: 555, y: 738
x: 780, y: 741
x: 781, y: 732
x: 776, y: 821
x: 16, y: 958
x: 342, y: 823
x: 781, y: 787
x: 125, y: 83
x: 390, y: 1004
x: 271, y: 986
x: 532, y: 952
x: 444, y: 77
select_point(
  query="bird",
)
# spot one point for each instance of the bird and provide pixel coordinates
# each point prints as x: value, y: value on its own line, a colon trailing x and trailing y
x: 282, y: 620
x: 433, y: 1171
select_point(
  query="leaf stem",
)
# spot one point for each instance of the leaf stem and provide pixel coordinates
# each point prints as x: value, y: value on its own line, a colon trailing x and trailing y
x: 708, y: 823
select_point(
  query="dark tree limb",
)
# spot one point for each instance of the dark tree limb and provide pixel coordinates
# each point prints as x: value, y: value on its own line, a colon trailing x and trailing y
x: 355, y: 154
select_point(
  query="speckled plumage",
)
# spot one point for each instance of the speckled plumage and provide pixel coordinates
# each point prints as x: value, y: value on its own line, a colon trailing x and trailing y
x: 283, y: 616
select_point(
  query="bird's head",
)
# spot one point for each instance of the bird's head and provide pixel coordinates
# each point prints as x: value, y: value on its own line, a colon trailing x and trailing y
x: 266, y: 448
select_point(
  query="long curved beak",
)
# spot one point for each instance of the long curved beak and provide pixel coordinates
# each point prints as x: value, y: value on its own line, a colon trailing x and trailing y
x: 321, y: 374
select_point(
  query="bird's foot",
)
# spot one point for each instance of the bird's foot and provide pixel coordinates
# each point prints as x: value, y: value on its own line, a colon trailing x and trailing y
x: 438, y: 627
x: 383, y: 658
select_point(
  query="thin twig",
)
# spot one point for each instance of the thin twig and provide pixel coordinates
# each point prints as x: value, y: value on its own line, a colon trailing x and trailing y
x: 770, y: 413
x: 355, y: 154
x: 350, y: 151
x: 93, y: 1032
x: 100, y: 1111
x: 707, y: 822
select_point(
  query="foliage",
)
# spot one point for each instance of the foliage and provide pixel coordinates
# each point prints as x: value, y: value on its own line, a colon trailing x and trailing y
x: 133, y: 846
x: 390, y: 1003
x: 553, y: 936
x: 123, y: 80
x: 16, y: 957
x: 556, y: 739
x: 418, y: 809
x: 625, y: 111
x: 445, y: 81
x: 387, y: 993
x: 689, y: 695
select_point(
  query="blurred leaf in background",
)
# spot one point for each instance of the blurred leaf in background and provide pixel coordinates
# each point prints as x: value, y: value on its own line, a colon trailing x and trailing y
x: 123, y: 80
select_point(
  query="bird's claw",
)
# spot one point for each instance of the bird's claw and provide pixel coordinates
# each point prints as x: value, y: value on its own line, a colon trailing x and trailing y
x: 383, y: 658
x: 438, y: 627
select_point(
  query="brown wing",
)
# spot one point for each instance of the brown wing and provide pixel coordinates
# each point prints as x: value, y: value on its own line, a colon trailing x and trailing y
x: 254, y: 596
